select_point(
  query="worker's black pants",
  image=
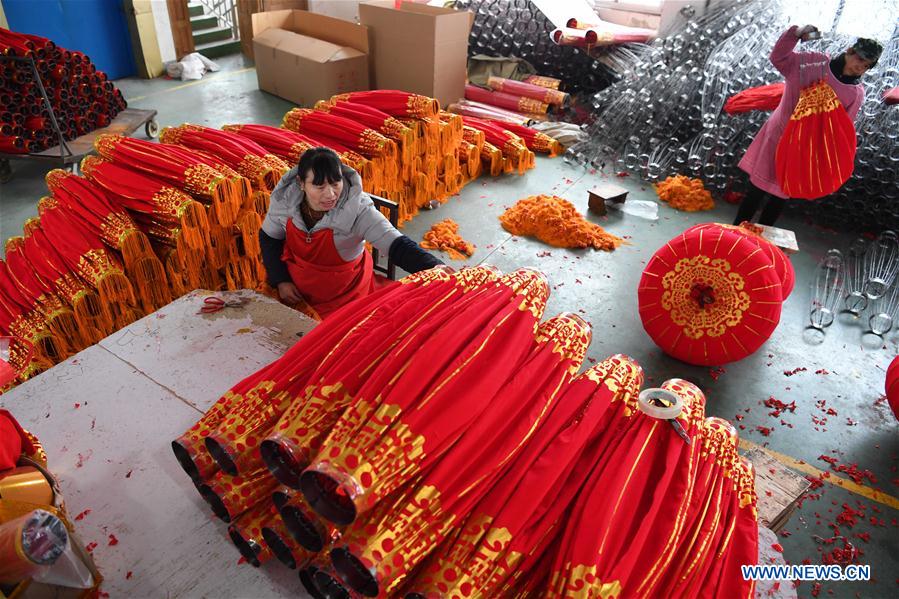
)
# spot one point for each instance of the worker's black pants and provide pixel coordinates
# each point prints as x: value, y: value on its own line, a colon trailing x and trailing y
x: 753, y: 201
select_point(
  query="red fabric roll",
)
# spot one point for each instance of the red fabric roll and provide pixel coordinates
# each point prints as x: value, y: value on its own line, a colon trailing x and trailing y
x: 394, y: 102
x: 528, y: 90
x: 764, y: 97
x: 505, y: 100
x: 710, y: 296
x: 418, y: 417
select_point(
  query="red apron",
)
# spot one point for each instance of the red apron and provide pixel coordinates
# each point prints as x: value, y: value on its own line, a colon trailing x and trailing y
x: 322, y: 277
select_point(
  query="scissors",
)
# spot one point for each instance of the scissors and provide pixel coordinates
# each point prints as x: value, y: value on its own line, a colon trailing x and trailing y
x: 213, y: 304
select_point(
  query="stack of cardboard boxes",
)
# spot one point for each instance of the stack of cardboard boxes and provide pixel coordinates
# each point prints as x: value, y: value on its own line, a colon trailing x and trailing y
x: 305, y: 57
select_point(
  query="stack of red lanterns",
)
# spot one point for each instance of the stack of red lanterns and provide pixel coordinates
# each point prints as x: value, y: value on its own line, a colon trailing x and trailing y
x: 83, y: 98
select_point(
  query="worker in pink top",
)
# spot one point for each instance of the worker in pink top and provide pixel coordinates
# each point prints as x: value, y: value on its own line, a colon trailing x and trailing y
x: 799, y: 70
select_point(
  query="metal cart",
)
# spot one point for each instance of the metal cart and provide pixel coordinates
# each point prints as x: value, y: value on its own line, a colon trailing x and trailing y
x: 68, y: 154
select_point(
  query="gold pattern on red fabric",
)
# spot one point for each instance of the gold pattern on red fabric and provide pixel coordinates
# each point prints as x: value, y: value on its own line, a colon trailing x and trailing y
x: 580, y: 582
x: 815, y: 99
x: 351, y: 446
x: 570, y: 337
x: 169, y: 201
x: 201, y: 179
x: 531, y: 105
x: 682, y: 297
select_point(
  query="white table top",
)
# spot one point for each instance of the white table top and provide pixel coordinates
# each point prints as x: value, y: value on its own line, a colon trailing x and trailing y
x: 106, y: 418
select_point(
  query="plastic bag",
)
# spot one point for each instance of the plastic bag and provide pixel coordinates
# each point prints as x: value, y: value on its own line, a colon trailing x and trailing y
x: 7, y: 372
x: 192, y: 66
x: 37, y: 546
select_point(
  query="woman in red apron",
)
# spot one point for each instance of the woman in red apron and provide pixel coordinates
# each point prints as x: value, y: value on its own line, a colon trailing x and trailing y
x: 313, y: 236
x: 842, y: 73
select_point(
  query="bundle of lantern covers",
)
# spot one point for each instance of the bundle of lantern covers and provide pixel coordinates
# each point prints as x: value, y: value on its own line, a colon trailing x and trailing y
x: 150, y: 221
x: 665, y: 116
x: 436, y: 439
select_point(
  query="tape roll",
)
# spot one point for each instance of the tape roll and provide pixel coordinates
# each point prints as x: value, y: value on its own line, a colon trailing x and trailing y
x: 647, y: 403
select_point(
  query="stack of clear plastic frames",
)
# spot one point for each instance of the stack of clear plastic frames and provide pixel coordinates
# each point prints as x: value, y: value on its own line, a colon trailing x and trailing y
x: 671, y: 100
x: 881, y: 264
x: 854, y: 299
x: 884, y: 311
x: 827, y: 289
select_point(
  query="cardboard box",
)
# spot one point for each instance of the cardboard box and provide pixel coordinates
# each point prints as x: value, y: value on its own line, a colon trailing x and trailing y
x: 304, y: 57
x: 418, y: 48
x: 142, y: 27
x: 247, y: 8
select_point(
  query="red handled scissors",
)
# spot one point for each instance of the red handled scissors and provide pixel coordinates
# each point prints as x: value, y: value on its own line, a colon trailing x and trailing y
x: 213, y: 304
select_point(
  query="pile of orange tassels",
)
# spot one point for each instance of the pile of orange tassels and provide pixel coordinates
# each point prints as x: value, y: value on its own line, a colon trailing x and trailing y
x: 444, y: 236
x: 684, y: 193
x: 556, y: 221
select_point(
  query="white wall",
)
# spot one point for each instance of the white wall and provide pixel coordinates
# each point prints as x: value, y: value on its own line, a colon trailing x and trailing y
x: 348, y: 10
x: 163, y: 30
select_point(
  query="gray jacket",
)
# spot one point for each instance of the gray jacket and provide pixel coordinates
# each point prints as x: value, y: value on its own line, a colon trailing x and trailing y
x: 354, y: 220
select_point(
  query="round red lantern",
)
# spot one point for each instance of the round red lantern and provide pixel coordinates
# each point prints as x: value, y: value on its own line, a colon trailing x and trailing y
x: 710, y: 296
x: 892, y: 386
x: 782, y: 265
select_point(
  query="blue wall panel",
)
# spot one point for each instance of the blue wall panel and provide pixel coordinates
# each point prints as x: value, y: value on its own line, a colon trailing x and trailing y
x: 95, y: 27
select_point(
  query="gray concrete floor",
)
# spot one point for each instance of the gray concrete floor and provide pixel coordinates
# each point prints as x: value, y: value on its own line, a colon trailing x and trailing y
x: 845, y: 370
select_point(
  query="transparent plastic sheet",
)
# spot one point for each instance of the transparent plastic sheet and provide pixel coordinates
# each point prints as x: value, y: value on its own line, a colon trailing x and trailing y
x: 7, y: 372
x: 36, y: 545
x: 640, y: 208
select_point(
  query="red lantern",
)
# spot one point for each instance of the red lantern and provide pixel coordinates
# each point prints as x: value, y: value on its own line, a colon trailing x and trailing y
x: 710, y: 296
x: 816, y: 153
x: 892, y: 386
x: 778, y: 258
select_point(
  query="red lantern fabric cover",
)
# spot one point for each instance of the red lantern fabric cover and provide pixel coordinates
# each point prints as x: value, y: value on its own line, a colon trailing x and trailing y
x: 816, y: 153
x: 710, y: 296
x: 892, y: 386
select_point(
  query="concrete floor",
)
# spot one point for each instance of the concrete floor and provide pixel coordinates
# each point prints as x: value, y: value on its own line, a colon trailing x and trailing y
x: 843, y: 372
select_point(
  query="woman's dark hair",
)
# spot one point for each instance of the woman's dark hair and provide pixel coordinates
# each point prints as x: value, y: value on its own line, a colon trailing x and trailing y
x: 324, y: 164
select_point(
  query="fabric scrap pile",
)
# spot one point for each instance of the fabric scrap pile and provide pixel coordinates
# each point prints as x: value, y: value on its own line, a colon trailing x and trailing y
x: 386, y: 454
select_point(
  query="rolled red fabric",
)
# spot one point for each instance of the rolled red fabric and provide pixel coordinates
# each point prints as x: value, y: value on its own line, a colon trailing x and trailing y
x: 493, y: 443
x: 505, y: 100
x: 528, y: 90
x: 394, y: 102
x: 179, y: 167
x: 763, y: 97
x: 241, y: 154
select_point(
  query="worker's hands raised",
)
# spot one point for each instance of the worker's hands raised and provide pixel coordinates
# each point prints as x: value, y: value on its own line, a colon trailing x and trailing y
x: 807, y: 32
x: 289, y: 293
